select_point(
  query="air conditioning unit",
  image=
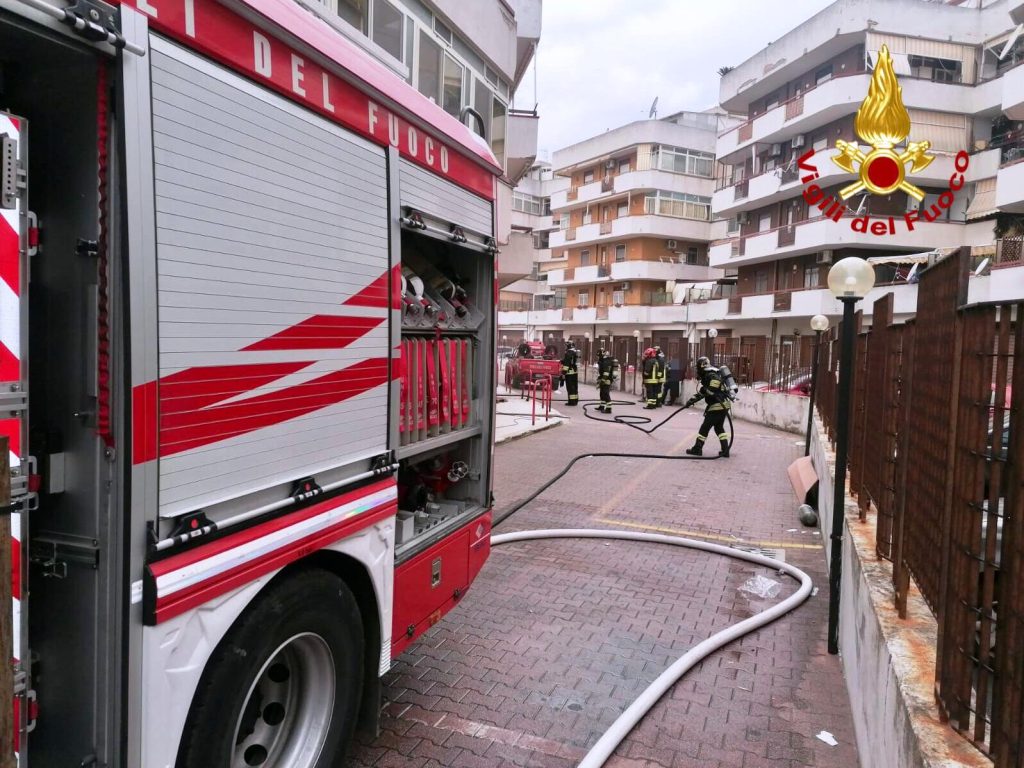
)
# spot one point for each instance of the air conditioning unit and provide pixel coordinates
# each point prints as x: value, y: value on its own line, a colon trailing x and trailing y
x: 776, y: 150
x: 671, y: 244
x: 624, y: 286
x: 742, y: 218
x: 798, y: 141
x: 825, y: 257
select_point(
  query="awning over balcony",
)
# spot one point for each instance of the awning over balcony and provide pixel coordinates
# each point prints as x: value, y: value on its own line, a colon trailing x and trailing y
x: 984, y: 201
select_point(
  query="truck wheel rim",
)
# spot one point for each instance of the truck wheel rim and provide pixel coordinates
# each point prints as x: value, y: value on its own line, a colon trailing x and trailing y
x: 286, y: 716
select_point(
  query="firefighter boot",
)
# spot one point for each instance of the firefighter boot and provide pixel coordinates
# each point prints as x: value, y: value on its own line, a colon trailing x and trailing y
x: 724, y: 453
x: 697, y: 449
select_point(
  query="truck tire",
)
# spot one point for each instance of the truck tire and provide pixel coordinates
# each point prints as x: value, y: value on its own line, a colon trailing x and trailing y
x: 282, y: 689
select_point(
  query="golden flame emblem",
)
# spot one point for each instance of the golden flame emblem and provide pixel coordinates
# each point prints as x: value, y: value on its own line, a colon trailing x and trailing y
x: 883, y: 122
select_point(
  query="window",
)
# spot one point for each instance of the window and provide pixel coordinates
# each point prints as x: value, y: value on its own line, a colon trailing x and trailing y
x: 732, y: 225
x: 764, y: 223
x: 482, y: 104
x: 442, y: 31
x: 812, y: 277
x: 354, y: 12
x: 526, y: 203
x: 583, y: 299
x: 545, y: 204
x: 429, y: 67
x: 761, y: 281
x: 388, y: 24
x: 623, y: 210
x: 618, y: 298
x: 823, y: 75
x: 410, y: 42
x: 620, y: 252
x: 588, y: 218
x: 588, y: 176
x: 678, y: 204
x: 936, y: 70
x: 693, y: 255
x: 452, y: 101
x: 820, y: 144
x: 563, y: 221
x: 541, y: 240
x: 682, y: 160
x: 585, y: 258
x: 491, y: 76
x: 624, y: 166
x: 498, y: 112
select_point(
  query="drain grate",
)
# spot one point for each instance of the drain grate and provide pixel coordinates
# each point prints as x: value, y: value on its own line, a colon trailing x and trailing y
x: 774, y: 554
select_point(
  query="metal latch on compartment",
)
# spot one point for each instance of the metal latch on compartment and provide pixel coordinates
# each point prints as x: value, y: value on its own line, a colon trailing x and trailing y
x: 54, y: 551
x: 26, y: 698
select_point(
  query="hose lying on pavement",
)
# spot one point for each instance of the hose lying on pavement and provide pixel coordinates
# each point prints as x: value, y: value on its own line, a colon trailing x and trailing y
x: 610, y: 740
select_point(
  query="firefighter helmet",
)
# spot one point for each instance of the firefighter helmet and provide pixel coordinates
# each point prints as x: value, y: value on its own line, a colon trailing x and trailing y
x: 702, y: 363
x: 602, y: 354
x: 649, y: 352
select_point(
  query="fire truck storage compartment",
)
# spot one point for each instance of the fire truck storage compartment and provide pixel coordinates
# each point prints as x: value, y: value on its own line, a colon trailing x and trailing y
x: 272, y: 229
x: 444, y: 410
x: 73, y: 570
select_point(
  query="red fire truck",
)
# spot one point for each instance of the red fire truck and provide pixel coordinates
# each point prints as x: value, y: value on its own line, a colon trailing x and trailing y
x: 246, y: 277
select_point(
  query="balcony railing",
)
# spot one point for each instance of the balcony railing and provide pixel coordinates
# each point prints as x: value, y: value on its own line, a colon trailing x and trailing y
x: 790, y: 173
x: 572, y: 194
x: 783, y: 301
x: 1011, y: 154
x: 742, y: 247
x: 787, y: 235
x: 608, y: 184
x: 741, y: 190
x: 735, y: 305
x: 568, y: 273
x: 602, y: 313
x: 1009, y: 252
x: 603, y: 271
x: 606, y: 227
x: 746, y: 131
x: 567, y: 313
x: 506, y: 305
x: 734, y: 248
x: 570, y: 233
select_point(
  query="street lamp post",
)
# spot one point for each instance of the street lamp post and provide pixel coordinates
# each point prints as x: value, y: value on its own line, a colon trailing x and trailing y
x: 636, y: 363
x: 819, y: 323
x: 850, y: 279
x: 712, y: 335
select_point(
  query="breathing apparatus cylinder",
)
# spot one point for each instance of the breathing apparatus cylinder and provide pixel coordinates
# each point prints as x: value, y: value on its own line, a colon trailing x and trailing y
x: 731, y: 387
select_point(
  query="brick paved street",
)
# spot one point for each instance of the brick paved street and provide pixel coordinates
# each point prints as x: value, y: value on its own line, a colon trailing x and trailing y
x: 556, y: 638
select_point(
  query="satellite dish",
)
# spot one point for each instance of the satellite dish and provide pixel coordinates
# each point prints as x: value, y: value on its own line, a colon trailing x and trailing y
x: 981, y: 267
x: 654, y: 108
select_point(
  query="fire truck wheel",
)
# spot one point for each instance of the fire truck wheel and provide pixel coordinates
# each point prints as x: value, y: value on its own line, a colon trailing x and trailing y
x: 282, y: 689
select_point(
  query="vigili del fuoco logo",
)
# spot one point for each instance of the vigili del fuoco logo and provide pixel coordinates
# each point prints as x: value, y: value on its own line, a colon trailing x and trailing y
x: 883, y: 123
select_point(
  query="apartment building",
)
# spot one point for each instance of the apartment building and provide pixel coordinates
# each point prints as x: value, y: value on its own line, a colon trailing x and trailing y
x: 962, y: 86
x: 470, y: 58
x: 628, y: 238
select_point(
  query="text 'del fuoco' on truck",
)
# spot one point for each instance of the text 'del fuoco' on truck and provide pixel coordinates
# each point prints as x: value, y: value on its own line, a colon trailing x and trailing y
x: 247, y: 333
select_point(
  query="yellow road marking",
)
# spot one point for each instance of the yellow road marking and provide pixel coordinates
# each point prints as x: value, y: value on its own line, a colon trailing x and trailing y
x: 710, y: 536
x: 629, y: 487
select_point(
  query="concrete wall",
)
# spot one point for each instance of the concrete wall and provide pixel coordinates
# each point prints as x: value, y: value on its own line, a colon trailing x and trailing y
x: 773, y: 409
x: 888, y: 662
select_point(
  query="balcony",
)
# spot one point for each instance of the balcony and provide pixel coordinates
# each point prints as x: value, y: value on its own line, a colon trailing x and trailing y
x: 741, y: 190
x: 1010, y: 186
x: 517, y: 258
x: 787, y: 235
x: 816, y: 234
x: 781, y: 184
x: 838, y: 97
x: 735, y: 305
x: 635, y: 226
x: 1013, y: 93
x: 606, y: 227
x: 660, y: 271
x: 633, y: 181
x: 520, y: 143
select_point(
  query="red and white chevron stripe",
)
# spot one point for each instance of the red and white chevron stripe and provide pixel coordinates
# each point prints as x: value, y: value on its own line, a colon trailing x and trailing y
x: 10, y: 370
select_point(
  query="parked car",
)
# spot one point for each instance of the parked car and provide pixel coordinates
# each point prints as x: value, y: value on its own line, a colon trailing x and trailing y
x: 536, y: 364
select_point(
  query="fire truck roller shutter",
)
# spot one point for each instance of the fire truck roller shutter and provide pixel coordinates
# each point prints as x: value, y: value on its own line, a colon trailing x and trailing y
x: 283, y: 687
x: 432, y: 195
x: 272, y: 240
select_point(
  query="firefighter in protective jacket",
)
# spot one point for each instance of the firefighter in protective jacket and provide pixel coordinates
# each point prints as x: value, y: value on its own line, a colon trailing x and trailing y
x: 715, y: 391
x: 605, y: 379
x: 652, y: 378
x: 570, y: 373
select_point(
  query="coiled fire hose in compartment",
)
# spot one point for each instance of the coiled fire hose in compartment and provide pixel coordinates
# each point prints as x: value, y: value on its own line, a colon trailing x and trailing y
x: 610, y: 740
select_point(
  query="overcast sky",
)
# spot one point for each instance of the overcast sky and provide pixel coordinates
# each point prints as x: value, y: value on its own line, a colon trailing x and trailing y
x: 601, y: 63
